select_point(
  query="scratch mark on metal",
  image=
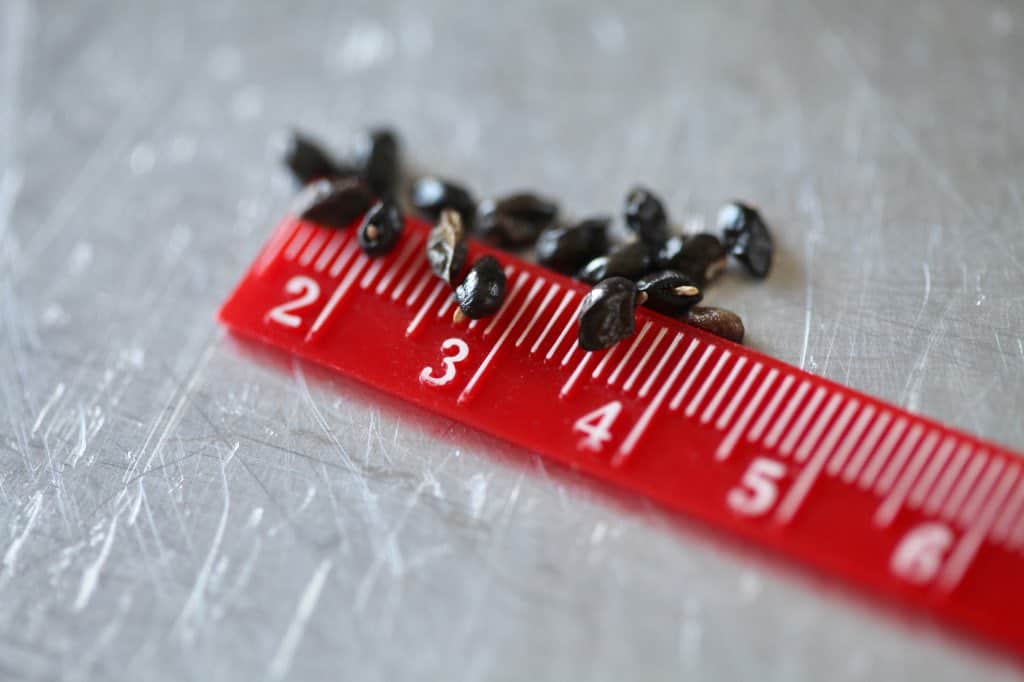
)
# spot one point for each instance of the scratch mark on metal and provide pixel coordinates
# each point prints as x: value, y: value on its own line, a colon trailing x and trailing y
x: 282, y: 660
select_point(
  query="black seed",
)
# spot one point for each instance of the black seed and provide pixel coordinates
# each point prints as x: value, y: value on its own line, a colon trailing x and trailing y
x: 381, y: 228
x: 429, y: 196
x: 379, y: 156
x: 606, y: 315
x: 446, y: 246
x: 669, y: 292
x: 333, y: 203
x: 525, y: 206
x: 631, y: 260
x: 567, y: 249
x: 747, y: 237
x: 505, y: 231
x: 646, y: 216
x: 308, y: 161
x: 700, y: 257
x: 717, y: 321
x: 482, y: 291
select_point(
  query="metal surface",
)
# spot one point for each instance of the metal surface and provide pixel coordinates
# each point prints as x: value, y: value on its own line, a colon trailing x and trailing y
x: 176, y: 505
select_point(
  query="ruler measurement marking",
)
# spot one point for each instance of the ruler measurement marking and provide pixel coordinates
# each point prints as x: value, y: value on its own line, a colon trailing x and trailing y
x: 802, y: 487
x: 787, y: 414
x: 973, y: 504
x: 394, y: 267
x: 952, y: 506
x: 277, y: 242
x: 894, y: 501
x: 552, y: 291
x: 646, y: 388
x: 422, y: 312
x: 712, y: 407
x: 1002, y: 529
x: 773, y: 404
x: 645, y: 419
x: 880, y: 456
x: 693, y: 405
x: 425, y: 276
x: 867, y: 446
x: 835, y: 465
x: 726, y: 446
x: 935, y: 464
x: 551, y: 322
x: 298, y: 241
x: 837, y: 429
x: 397, y: 267
x: 596, y: 374
x: 337, y: 239
x: 949, y: 477
x: 643, y: 359
x: 691, y: 377
x: 569, y: 324
x: 629, y: 353
x: 445, y: 306
x: 965, y: 551
x: 885, y: 483
x: 1016, y: 539
x: 341, y: 262
x: 814, y: 435
x: 467, y: 392
x: 537, y: 284
x: 737, y: 400
x: 794, y: 433
x: 338, y: 294
x: 576, y: 373
x: 319, y: 237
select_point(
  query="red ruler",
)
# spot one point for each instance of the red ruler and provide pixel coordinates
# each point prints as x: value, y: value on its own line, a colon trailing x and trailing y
x: 894, y: 502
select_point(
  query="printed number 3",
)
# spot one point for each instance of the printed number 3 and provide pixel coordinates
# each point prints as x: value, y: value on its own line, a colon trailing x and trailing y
x: 759, y: 488
x: 448, y: 361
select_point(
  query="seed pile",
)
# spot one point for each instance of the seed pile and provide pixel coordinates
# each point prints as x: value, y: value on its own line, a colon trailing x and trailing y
x: 666, y: 272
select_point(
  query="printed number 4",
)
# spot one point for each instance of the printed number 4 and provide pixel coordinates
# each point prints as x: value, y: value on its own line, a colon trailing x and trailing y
x: 448, y: 361
x: 308, y: 291
x: 759, y: 488
x: 597, y: 426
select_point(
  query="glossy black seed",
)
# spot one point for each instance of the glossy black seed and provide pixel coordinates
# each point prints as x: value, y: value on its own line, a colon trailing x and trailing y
x: 700, y: 257
x: 505, y: 231
x: 669, y: 292
x: 379, y: 156
x: 482, y: 291
x: 717, y: 321
x: 631, y: 260
x: 430, y: 196
x: 446, y: 246
x: 606, y: 315
x: 747, y: 237
x: 567, y: 249
x: 646, y: 216
x: 381, y: 228
x: 308, y: 161
x: 333, y: 203
x: 525, y: 206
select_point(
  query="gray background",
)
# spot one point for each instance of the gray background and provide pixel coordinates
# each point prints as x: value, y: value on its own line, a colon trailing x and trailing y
x: 176, y: 506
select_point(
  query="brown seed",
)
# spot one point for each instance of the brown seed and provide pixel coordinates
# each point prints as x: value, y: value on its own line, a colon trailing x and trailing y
x: 458, y: 317
x: 717, y: 321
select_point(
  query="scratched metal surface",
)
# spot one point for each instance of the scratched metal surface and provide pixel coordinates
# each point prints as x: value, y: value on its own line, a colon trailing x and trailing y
x: 175, y: 506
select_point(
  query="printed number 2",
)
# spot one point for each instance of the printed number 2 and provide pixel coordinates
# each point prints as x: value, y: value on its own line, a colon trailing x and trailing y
x: 308, y: 291
x: 461, y: 352
x: 757, y: 492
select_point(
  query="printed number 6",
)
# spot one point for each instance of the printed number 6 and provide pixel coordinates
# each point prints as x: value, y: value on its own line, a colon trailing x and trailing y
x: 461, y: 352
x: 308, y: 291
x: 759, y: 488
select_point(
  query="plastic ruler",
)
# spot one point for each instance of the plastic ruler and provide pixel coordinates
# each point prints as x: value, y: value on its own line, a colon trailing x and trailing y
x: 909, y: 509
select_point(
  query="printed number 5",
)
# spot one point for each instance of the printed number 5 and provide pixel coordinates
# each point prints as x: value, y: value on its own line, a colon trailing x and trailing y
x: 759, y: 488
x: 461, y: 352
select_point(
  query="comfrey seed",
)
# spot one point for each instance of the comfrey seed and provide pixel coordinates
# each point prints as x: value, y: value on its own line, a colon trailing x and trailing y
x: 607, y: 314
x: 381, y: 228
x: 333, y: 203
x: 446, y: 246
x: 631, y: 260
x: 700, y: 257
x: 717, y: 321
x: 528, y: 207
x: 482, y: 292
x: 747, y: 237
x: 567, y: 249
x: 669, y: 292
x: 646, y: 216
x: 379, y: 156
x: 430, y: 196
x: 505, y: 231
x: 307, y: 160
